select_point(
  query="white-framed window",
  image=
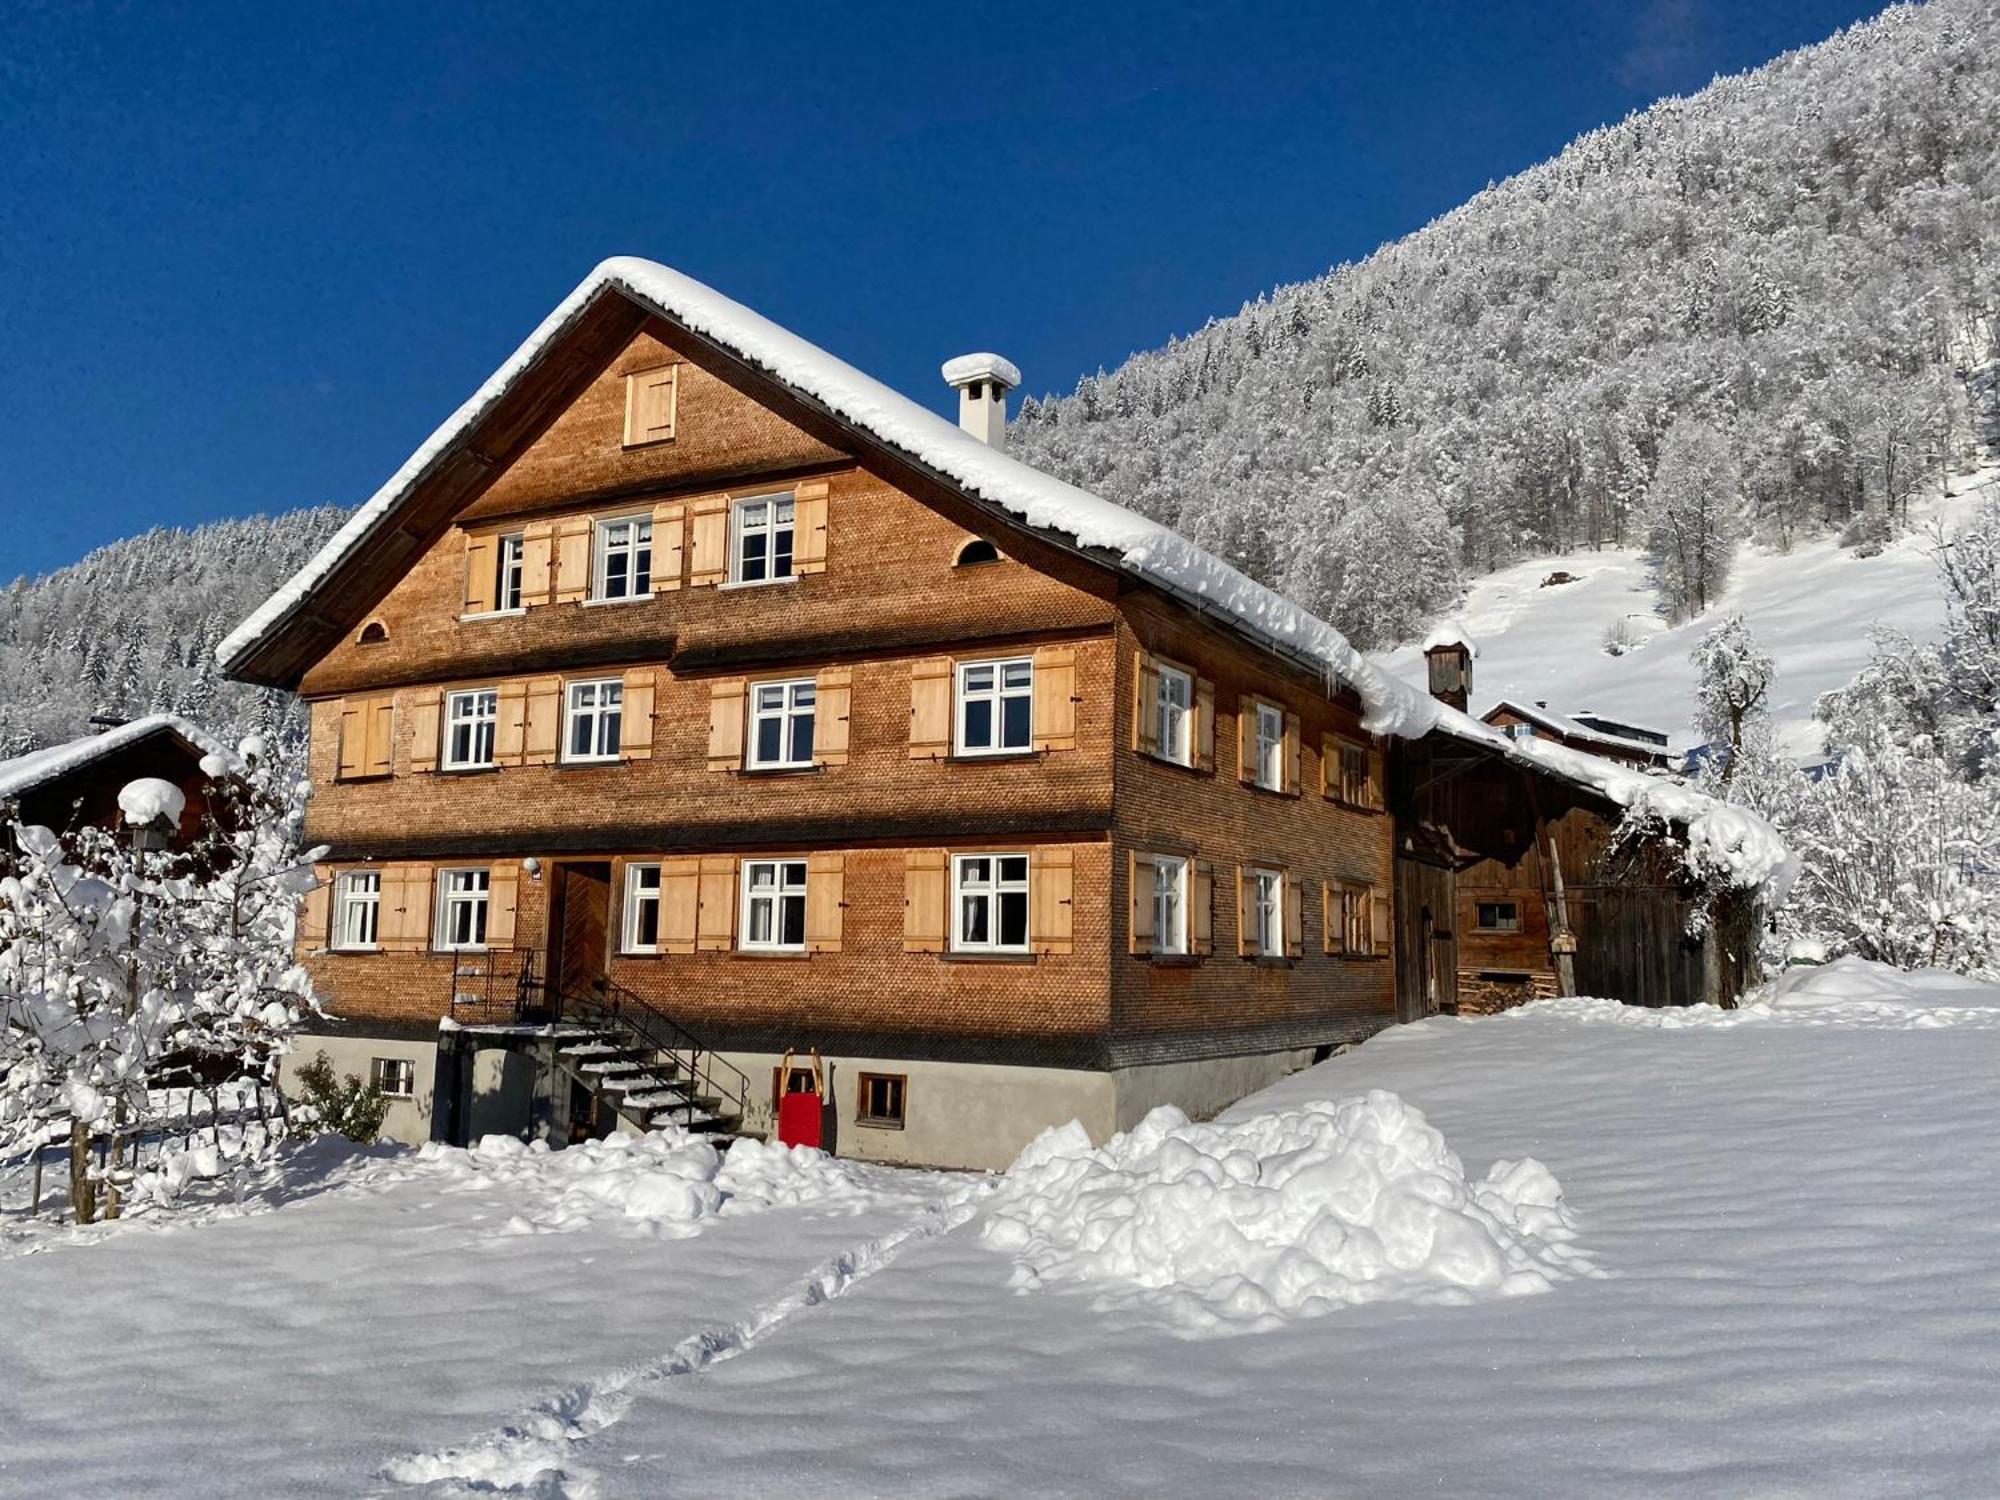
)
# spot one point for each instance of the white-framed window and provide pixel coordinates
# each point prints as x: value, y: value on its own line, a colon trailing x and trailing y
x: 1266, y: 911
x: 509, y: 571
x: 1269, y: 770
x: 469, y: 720
x: 594, y: 718
x: 781, y: 723
x: 760, y: 539
x: 624, y: 558
x: 396, y: 1077
x: 989, y: 903
x: 1170, y: 926
x: 358, y: 913
x: 642, y: 909
x: 996, y: 706
x: 1173, y: 716
x: 774, y: 905
x: 1357, y: 925
x: 462, y: 895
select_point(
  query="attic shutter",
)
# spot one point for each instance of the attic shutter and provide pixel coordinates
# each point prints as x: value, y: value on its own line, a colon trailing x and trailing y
x: 1145, y: 697
x: 930, y: 707
x: 1295, y: 917
x: 314, y: 911
x: 649, y: 406
x: 1381, y: 932
x: 1204, y: 724
x: 1055, y: 698
x: 809, y: 501
x: 1139, y: 877
x: 424, y: 728
x: 680, y: 904
x: 543, y: 733
x: 715, y: 920
x: 635, y: 729
x: 825, y: 900
x: 481, y: 573
x: 503, y: 887
x: 1201, y: 909
x: 538, y: 560
x: 708, y: 520
x: 669, y: 534
x: 1051, y: 881
x: 1294, y: 769
x: 832, y: 704
x: 510, y: 724
x: 924, y: 888
x: 725, y: 723
x: 572, y: 559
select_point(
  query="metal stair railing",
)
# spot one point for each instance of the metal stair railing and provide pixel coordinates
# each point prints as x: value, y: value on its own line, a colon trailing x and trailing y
x: 605, y: 1003
x: 498, y: 986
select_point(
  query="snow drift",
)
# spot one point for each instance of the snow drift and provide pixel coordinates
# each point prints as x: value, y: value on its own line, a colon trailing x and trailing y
x: 1234, y: 1227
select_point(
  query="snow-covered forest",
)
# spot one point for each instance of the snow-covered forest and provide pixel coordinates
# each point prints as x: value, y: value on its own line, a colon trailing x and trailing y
x: 1747, y: 313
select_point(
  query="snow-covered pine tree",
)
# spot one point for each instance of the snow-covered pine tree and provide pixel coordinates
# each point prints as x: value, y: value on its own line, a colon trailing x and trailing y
x: 1692, y: 511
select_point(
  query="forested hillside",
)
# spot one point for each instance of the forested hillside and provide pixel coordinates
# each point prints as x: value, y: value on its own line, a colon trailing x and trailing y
x: 1744, y: 312
x: 132, y: 629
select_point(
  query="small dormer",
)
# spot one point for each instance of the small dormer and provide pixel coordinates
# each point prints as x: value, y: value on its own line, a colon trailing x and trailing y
x: 982, y: 382
x: 1449, y: 651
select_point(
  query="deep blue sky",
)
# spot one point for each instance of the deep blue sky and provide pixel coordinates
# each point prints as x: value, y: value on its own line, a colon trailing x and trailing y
x: 250, y: 256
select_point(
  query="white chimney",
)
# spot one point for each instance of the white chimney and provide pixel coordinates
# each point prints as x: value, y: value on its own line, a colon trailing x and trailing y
x: 982, y: 382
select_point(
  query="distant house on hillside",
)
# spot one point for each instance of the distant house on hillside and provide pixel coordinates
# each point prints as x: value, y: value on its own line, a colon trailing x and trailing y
x: 1594, y: 733
x: 76, y: 785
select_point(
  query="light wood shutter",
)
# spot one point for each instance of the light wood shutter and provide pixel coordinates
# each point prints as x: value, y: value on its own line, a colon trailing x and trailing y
x: 708, y: 521
x: 482, y: 572
x: 510, y: 724
x: 1378, y: 782
x: 725, y: 723
x: 1204, y: 724
x: 315, y: 911
x: 1201, y: 908
x: 1145, y: 705
x: 353, y: 751
x: 925, y: 900
x: 1381, y: 921
x: 404, y: 920
x: 635, y: 725
x: 1055, y: 698
x: 502, y: 900
x: 669, y: 539
x: 380, y: 717
x: 833, y: 701
x: 1329, y: 766
x: 1139, y: 877
x: 1245, y: 926
x: 573, y: 559
x: 1332, y: 918
x: 1295, y: 917
x: 715, y: 921
x: 650, y: 402
x: 826, y: 899
x: 680, y: 904
x: 809, y: 517
x: 1294, y: 755
x: 542, y: 735
x: 538, y: 563
x: 1246, y: 740
x: 930, y: 708
x: 1051, y: 883
x: 426, y: 728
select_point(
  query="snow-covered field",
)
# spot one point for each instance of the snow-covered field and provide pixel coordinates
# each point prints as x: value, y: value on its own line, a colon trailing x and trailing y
x: 1811, y: 608
x: 1576, y: 1249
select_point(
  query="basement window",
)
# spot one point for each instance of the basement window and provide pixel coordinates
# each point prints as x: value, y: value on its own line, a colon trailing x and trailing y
x: 879, y: 1100
x: 1497, y: 916
x: 396, y: 1077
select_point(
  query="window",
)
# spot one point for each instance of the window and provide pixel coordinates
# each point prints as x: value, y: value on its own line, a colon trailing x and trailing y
x: 1265, y: 912
x: 396, y: 1077
x: 991, y: 902
x: 1170, y: 904
x: 462, y: 908
x: 1173, y: 716
x: 774, y: 904
x: 1357, y: 925
x: 978, y: 550
x: 1497, y: 916
x: 358, y: 923
x: 781, y: 723
x: 642, y: 909
x: 507, y: 580
x: 878, y: 1100
x: 468, y: 729
x: 596, y: 711
x: 624, y: 559
x: 1269, y: 771
x: 1520, y: 731
x: 1353, y: 772
x: 760, y: 542
x: 996, y: 706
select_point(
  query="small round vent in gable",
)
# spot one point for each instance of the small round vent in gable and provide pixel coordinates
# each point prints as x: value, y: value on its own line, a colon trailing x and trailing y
x: 978, y: 550
x: 374, y: 633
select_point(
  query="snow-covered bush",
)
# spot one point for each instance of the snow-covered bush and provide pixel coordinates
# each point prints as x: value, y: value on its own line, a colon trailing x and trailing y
x: 330, y: 1103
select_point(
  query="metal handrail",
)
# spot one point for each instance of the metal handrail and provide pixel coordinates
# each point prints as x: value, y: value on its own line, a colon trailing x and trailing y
x: 499, y: 984
x: 660, y: 1031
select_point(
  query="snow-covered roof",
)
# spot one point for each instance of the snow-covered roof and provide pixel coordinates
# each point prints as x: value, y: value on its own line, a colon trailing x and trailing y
x: 1571, y: 728
x: 1450, y: 633
x: 970, y: 367
x: 24, y: 773
x: 1028, y: 497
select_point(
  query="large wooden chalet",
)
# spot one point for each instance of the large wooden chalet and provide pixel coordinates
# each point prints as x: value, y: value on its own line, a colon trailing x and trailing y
x: 692, y: 689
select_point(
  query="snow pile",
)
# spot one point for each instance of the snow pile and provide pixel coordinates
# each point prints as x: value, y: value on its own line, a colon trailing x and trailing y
x: 1240, y: 1226
x: 1855, y: 989
x: 151, y: 800
x: 1450, y: 632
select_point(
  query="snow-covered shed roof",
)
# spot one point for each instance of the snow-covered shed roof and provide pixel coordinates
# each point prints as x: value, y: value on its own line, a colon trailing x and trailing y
x: 1450, y: 633
x: 24, y: 773
x: 1572, y: 728
x: 1018, y: 493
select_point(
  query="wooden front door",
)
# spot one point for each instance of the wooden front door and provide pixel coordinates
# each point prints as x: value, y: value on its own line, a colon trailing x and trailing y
x: 1426, y: 949
x: 579, y: 926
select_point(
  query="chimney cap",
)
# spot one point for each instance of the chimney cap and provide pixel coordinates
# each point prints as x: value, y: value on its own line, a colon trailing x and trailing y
x: 961, y: 372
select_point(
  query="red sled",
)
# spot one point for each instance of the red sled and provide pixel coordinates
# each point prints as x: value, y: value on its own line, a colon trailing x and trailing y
x: 801, y: 1112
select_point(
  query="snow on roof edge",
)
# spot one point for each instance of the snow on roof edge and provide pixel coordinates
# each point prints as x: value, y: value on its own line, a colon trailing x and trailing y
x: 1575, y: 728
x: 24, y: 773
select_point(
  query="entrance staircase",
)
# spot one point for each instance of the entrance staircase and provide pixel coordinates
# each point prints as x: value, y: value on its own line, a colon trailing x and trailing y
x: 646, y: 1067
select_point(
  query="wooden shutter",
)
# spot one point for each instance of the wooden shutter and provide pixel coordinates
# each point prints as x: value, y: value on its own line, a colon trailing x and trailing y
x: 833, y: 701
x: 1329, y: 766
x: 1294, y: 756
x: 482, y: 572
x: 826, y: 899
x: 1145, y: 705
x: 680, y: 904
x: 426, y: 728
x: 650, y: 401
x: 315, y: 911
x: 1380, y: 924
x: 367, y: 736
x: 925, y: 900
x: 1246, y: 740
x: 1204, y: 724
x: 708, y: 521
x: 1051, y: 882
x: 1332, y: 918
x: 930, y: 707
x: 725, y: 723
x: 715, y: 920
x: 573, y: 559
x: 635, y: 727
x: 510, y: 724
x: 809, y: 511
x: 502, y: 899
x: 1055, y: 698
x: 542, y: 733
x: 1378, y: 784
x: 1295, y: 917
x: 1139, y: 876
x: 538, y: 561
x: 669, y: 538
x: 1245, y: 927
x: 353, y: 753
x: 404, y: 921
